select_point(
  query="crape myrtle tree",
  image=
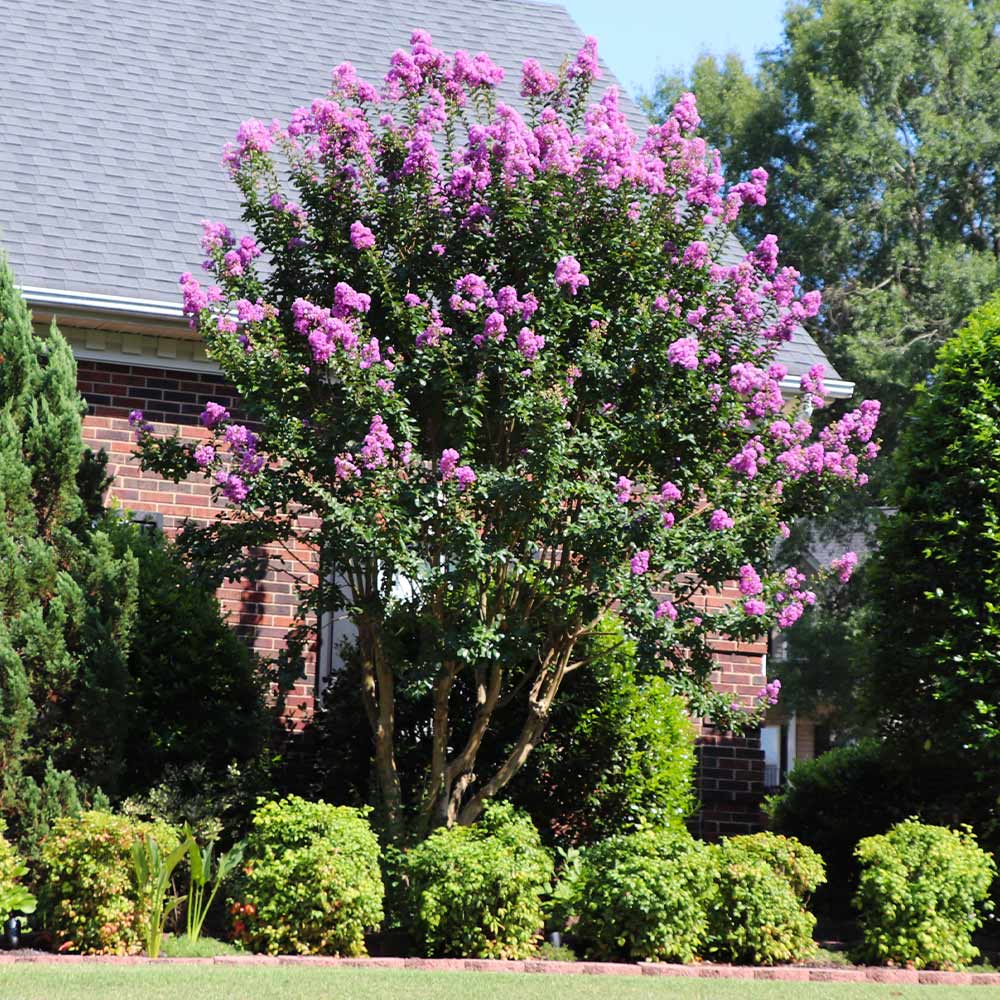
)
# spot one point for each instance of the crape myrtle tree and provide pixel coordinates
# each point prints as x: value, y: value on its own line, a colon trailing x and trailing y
x: 499, y: 379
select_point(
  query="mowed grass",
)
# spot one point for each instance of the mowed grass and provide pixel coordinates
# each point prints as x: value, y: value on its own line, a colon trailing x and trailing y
x: 31, y: 981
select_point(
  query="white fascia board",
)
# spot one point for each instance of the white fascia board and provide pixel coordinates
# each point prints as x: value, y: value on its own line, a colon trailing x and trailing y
x: 835, y: 388
x: 55, y: 298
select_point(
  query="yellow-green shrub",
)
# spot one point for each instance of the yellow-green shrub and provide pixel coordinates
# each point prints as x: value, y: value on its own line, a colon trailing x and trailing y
x: 88, y: 896
x: 921, y: 895
x: 311, y: 882
x: 477, y: 890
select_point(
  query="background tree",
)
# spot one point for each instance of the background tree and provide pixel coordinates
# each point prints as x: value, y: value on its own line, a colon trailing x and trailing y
x: 500, y: 384
x: 879, y: 123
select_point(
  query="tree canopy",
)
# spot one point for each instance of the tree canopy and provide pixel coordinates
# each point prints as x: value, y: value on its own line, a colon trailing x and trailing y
x: 879, y: 122
x: 501, y: 380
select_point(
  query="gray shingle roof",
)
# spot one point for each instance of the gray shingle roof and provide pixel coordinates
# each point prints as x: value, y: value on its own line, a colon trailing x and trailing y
x: 113, y: 114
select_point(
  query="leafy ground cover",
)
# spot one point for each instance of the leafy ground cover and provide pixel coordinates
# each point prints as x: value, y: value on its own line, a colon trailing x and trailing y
x: 90, y: 982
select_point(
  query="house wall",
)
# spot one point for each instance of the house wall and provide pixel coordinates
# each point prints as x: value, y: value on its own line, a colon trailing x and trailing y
x: 261, y: 610
x: 730, y: 768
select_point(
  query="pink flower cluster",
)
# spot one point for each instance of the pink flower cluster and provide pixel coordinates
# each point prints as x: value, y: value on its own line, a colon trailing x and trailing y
x: 845, y: 565
x: 450, y: 469
x: 833, y: 453
x: 769, y: 693
x: 812, y: 385
x: 793, y: 599
x: 253, y: 136
x: 362, y: 238
x: 569, y: 276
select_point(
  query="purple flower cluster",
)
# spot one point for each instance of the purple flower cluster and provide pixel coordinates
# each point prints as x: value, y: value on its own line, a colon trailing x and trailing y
x: 684, y: 353
x: 665, y: 609
x: 750, y: 584
x: 213, y: 415
x: 377, y: 445
x: 139, y: 424
x: 535, y: 81
x: 326, y: 329
x: 623, y: 490
x: 362, y: 238
x: 747, y: 459
x: 720, y: 521
x: 640, y: 562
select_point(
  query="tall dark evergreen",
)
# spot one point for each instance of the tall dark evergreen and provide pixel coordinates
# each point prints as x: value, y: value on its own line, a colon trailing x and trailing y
x: 67, y: 601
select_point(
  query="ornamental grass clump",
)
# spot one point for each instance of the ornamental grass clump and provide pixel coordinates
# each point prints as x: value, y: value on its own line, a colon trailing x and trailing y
x: 88, y: 897
x: 923, y: 890
x: 504, y: 375
x: 311, y: 883
x: 759, y: 911
x: 476, y: 891
x: 642, y: 896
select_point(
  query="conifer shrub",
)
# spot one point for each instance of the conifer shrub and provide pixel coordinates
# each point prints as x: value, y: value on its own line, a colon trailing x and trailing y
x: 311, y: 882
x: 67, y: 600
x: 477, y: 890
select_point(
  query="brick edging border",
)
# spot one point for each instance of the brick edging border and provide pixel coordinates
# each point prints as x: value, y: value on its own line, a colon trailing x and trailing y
x: 784, y: 973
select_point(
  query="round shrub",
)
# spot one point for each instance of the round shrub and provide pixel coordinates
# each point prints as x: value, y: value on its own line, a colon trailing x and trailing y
x: 643, y: 895
x: 758, y: 913
x: 311, y: 882
x: 477, y: 890
x: 921, y: 894
x: 88, y: 896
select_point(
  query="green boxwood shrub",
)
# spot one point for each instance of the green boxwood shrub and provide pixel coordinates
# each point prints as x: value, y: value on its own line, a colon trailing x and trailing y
x: 921, y: 894
x: 310, y: 883
x: 758, y: 914
x: 477, y: 890
x: 642, y: 895
x: 88, y: 898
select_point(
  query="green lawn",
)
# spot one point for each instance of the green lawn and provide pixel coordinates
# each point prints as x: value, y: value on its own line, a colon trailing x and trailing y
x: 94, y: 982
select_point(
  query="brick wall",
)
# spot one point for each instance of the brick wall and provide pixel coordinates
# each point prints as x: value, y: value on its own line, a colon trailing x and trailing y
x: 262, y: 610
x: 730, y: 772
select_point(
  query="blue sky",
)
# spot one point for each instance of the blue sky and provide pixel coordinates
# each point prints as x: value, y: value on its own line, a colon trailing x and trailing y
x: 638, y: 38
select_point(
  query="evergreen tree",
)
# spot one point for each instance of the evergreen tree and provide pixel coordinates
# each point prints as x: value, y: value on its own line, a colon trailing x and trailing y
x: 932, y: 677
x: 66, y: 601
